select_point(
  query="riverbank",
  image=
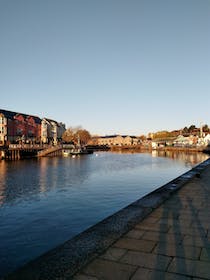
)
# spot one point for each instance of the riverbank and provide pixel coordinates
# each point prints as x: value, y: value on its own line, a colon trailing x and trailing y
x: 125, y: 235
x: 17, y: 152
x: 141, y: 148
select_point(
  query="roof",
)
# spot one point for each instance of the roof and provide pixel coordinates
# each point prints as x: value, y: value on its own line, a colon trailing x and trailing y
x: 108, y: 136
x: 50, y: 120
x: 116, y: 135
x: 131, y: 136
x: 10, y: 115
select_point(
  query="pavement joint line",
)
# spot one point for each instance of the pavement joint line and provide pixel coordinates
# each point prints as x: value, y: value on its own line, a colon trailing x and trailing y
x: 64, y: 261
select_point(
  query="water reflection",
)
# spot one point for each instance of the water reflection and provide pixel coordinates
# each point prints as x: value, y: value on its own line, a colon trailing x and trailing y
x: 189, y: 158
x: 23, y: 180
x: 3, y: 171
x: 45, y: 202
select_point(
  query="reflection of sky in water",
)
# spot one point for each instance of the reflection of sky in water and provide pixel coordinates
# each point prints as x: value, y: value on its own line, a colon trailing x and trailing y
x: 45, y: 202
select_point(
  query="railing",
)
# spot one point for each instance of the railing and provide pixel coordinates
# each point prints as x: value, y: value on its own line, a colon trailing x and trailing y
x: 27, y: 146
x: 68, y: 146
x: 42, y: 149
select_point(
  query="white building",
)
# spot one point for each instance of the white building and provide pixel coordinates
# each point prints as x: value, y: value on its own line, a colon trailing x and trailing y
x: 51, y: 131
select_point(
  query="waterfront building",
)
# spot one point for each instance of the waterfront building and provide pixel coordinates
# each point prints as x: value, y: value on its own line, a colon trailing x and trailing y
x: 52, y: 131
x: 204, y: 141
x: 118, y: 140
x: 16, y: 127
x: 186, y: 141
x: 207, y: 140
x: 22, y: 128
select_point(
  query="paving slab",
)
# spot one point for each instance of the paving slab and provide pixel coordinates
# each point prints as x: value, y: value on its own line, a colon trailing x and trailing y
x: 113, y: 254
x: 169, y: 238
x: 104, y: 269
x: 147, y: 274
x: 85, y: 277
x: 153, y: 227
x: 135, y: 233
x: 205, y: 254
x: 197, y: 241
x: 192, y: 230
x: 146, y: 260
x: 190, y: 268
x: 137, y: 245
x: 178, y: 250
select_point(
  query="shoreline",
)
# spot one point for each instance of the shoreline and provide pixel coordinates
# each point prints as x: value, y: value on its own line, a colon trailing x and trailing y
x: 15, y: 154
x: 166, y: 148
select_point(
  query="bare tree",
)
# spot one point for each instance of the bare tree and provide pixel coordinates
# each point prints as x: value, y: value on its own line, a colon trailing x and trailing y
x: 77, y: 135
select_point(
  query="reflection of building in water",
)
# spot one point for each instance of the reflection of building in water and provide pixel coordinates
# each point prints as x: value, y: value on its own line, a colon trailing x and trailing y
x: 58, y: 172
x: 48, y: 174
x: 19, y: 180
x: 43, y: 163
x: 3, y: 171
x: 191, y: 158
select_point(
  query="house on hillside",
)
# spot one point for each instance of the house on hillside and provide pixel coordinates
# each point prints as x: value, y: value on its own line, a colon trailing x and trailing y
x: 162, y: 142
x: 186, y: 141
x: 181, y: 141
x: 204, y: 141
x: 207, y: 140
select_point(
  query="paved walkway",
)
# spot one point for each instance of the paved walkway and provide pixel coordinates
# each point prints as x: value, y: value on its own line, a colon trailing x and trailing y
x: 173, y: 242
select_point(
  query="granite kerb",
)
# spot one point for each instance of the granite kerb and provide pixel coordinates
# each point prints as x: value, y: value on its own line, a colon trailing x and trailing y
x: 65, y: 260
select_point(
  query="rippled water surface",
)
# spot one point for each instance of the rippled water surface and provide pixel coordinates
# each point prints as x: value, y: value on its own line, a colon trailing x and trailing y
x: 46, y: 202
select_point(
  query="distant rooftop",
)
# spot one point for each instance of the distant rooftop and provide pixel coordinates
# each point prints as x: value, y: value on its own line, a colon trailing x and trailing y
x: 116, y: 135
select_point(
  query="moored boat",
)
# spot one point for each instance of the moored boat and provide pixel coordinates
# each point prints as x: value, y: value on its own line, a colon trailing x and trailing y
x: 81, y: 151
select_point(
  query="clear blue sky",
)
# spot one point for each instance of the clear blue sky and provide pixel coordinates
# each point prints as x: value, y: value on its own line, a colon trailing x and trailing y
x: 112, y: 66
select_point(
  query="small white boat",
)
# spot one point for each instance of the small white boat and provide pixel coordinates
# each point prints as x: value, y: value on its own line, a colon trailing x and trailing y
x: 66, y: 153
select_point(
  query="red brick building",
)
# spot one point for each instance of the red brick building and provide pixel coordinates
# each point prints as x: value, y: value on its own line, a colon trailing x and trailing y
x: 16, y: 127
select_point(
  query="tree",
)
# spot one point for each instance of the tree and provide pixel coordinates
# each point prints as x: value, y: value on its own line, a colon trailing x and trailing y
x: 185, y: 130
x: 68, y: 136
x: 83, y: 136
x: 192, y: 128
x: 142, y: 137
x: 76, y: 135
x: 205, y: 128
x: 161, y: 135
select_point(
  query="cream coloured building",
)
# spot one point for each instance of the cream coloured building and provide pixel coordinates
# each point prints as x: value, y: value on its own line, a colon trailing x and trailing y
x: 118, y: 140
x: 51, y: 131
x: 3, y: 129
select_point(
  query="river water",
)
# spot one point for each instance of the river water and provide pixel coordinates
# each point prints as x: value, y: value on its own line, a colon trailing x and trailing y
x: 44, y: 202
